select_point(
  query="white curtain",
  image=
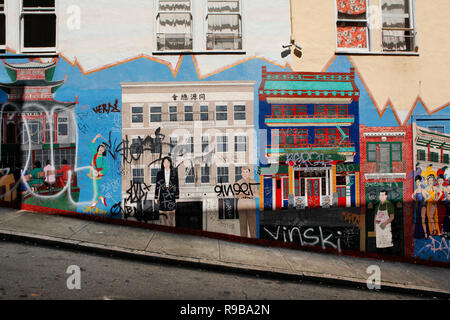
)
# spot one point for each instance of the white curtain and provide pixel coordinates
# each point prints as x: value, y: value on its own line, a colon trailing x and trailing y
x: 395, y: 15
x: 223, y: 6
x: 223, y: 23
x: 177, y: 5
x: 175, y: 23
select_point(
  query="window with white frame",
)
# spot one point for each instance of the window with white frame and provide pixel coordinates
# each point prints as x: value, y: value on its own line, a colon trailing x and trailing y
x: 63, y: 126
x: 398, y: 32
x: 222, y: 144
x: 224, y: 30
x: 190, y: 177
x: 240, y: 143
x: 189, y: 147
x: 138, y: 175
x: 174, y: 25
x: 2, y: 25
x: 137, y: 115
x: 239, y: 112
x: 155, y: 114
x: 173, y: 144
x: 222, y: 175
x: 172, y: 113
x: 188, y: 113
x: 205, y: 173
x: 38, y: 25
x: 352, y: 25
x: 136, y: 146
x: 205, y: 144
x: 153, y: 174
x: 221, y: 112
x: 237, y: 174
x: 204, y: 113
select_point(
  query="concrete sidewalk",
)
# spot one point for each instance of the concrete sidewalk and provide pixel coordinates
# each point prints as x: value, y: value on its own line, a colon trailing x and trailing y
x: 202, y: 252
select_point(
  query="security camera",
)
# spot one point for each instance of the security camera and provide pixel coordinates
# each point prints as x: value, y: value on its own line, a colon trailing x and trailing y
x: 297, y: 49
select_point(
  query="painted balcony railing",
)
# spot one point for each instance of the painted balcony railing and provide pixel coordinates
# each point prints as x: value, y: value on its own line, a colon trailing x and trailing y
x: 308, y: 120
x: 340, y: 147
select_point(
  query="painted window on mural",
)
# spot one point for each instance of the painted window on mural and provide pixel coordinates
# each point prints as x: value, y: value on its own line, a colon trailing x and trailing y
x: 281, y: 111
x: 172, y: 113
x: 239, y: 112
x: 228, y: 209
x: 204, y: 116
x: 222, y: 175
x: 2, y: 25
x: 205, y: 144
x: 384, y: 154
x: 221, y: 112
x: 154, y: 174
x: 291, y: 138
x: 38, y: 25
x: 331, y: 111
x: 222, y: 144
x: 173, y: 141
x: 446, y: 158
x: 137, y: 114
x: 398, y: 32
x: 188, y: 113
x: 224, y: 31
x: 330, y: 137
x: 174, y: 25
x: 352, y: 24
x: 190, y: 177
x: 155, y: 114
x: 240, y: 143
x: 138, y: 175
x: 63, y: 126
x: 421, y: 155
x: 205, y: 174
x: 190, y: 145
x: 237, y: 174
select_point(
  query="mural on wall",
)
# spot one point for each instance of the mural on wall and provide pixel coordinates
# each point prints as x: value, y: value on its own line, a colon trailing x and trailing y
x: 267, y: 154
x: 431, y: 191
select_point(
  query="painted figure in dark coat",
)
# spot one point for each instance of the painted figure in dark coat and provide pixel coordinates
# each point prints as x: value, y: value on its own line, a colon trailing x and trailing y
x: 167, y: 191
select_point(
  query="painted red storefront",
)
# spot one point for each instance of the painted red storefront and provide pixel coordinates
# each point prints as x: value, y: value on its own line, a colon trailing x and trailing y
x: 399, y: 173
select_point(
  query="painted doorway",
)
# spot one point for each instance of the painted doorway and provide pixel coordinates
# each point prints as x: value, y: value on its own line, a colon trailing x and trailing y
x: 313, y: 192
x: 342, y: 197
x: 278, y: 194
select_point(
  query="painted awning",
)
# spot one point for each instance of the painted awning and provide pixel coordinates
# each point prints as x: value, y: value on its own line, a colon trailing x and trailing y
x: 308, y: 88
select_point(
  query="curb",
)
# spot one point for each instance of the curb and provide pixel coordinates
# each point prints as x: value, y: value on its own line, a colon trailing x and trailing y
x: 190, y: 262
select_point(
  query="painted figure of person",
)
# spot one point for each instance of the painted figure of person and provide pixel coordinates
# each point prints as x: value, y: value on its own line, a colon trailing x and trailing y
x: 36, y: 176
x: 441, y: 205
x: 50, y: 177
x: 446, y: 222
x: 430, y: 198
x: 64, y: 171
x: 246, y: 203
x: 384, y: 215
x: 420, y: 230
x: 99, y: 168
x: 167, y: 191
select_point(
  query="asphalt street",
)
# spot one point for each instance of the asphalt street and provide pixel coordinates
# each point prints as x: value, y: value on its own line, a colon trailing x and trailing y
x: 36, y: 272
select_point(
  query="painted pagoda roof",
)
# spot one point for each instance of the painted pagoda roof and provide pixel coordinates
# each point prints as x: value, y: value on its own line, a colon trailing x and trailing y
x: 308, y: 87
x: 433, y: 138
x: 6, y: 87
x: 30, y: 65
x: 14, y: 68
